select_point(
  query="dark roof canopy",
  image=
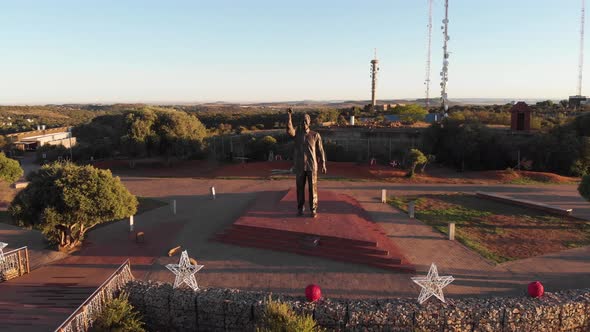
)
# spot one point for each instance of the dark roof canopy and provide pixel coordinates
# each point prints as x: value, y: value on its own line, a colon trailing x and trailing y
x: 521, y: 106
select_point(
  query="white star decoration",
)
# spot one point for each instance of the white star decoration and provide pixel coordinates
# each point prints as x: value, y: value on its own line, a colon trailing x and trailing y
x: 432, y: 284
x: 185, y: 272
x: 2, y: 246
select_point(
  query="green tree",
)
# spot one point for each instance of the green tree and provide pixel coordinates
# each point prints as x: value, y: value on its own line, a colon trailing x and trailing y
x: 180, y: 134
x: 118, y: 315
x: 584, y: 187
x: 260, y: 148
x: 411, y: 113
x: 146, y: 131
x: 139, y: 137
x: 415, y: 158
x: 10, y: 169
x: 64, y: 201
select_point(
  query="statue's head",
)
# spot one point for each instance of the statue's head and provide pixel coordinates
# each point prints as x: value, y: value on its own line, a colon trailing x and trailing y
x: 305, y: 122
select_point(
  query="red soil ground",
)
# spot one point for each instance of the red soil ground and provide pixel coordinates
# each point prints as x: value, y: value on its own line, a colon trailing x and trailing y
x: 348, y: 170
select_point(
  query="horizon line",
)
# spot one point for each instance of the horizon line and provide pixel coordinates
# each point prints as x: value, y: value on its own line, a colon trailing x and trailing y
x: 244, y: 102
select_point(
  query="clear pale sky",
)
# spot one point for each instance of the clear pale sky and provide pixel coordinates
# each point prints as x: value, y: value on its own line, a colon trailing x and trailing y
x: 103, y: 51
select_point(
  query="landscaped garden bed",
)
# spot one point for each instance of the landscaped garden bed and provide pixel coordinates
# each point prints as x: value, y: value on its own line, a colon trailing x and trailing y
x: 499, y: 232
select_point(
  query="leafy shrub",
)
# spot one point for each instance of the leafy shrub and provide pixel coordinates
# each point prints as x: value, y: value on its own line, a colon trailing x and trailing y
x: 279, y: 317
x: 411, y: 113
x: 64, y: 201
x: 261, y: 147
x: 10, y: 169
x: 415, y: 158
x: 119, y: 315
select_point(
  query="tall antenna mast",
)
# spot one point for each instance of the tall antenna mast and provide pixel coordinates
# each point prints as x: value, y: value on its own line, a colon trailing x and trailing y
x: 581, y: 59
x: 445, y: 69
x: 428, y: 54
x: 374, y: 70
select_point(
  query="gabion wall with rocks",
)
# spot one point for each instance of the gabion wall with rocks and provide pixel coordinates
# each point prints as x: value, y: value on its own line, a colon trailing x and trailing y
x: 168, y: 309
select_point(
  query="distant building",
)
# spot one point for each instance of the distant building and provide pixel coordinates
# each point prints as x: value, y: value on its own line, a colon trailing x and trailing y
x: 31, y: 140
x: 432, y: 118
x: 577, y: 101
x: 520, y: 117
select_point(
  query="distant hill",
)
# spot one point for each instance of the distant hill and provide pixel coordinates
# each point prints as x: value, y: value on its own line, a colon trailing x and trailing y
x: 361, y: 103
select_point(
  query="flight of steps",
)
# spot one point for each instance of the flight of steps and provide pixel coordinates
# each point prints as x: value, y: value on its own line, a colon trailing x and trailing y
x: 366, y: 244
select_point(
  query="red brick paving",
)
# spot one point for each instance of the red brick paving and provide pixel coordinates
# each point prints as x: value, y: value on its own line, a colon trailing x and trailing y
x: 43, y: 299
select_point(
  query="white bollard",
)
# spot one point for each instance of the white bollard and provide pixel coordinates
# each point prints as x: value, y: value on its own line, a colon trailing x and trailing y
x: 212, y: 192
x: 411, y: 209
x: 131, y: 223
x: 383, y: 195
x: 452, y: 231
x: 174, y: 206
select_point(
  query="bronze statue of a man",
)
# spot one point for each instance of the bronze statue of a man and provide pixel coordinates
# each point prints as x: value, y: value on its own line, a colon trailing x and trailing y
x: 308, y: 148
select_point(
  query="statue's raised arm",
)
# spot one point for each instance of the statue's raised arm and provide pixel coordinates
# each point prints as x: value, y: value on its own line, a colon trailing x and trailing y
x: 290, y: 129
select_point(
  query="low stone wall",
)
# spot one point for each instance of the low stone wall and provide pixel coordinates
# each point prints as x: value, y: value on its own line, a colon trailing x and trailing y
x: 168, y: 309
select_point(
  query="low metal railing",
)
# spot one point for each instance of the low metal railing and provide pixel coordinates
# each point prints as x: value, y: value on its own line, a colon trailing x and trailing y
x: 14, y: 264
x: 83, y: 318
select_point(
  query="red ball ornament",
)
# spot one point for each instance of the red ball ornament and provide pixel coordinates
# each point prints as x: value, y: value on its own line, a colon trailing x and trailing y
x: 536, y: 289
x: 313, y: 293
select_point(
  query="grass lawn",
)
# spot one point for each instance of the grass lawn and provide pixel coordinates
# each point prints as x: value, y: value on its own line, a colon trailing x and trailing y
x: 499, y: 232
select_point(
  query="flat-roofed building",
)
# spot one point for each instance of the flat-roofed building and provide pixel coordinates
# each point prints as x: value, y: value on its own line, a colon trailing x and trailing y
x: 30, y: 141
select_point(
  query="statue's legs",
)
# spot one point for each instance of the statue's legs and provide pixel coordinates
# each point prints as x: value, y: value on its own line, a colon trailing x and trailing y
x: 312, y: 185
x: 300, y: 182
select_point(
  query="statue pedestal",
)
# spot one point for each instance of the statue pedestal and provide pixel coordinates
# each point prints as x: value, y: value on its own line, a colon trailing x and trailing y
x: 341, y: 231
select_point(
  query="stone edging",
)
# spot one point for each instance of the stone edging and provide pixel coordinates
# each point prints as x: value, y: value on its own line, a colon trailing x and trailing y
x: 165, y: 308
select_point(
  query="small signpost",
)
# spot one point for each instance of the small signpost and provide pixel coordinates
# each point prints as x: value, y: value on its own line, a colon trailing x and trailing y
x: 173, y: 206
x: 411, y: 209
x: 131, y: 223
x: 452, y: 231
x: 383, y: 195
x: 212, y: 192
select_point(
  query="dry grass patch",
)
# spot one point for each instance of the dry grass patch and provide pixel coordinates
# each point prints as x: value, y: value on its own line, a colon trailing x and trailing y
x: 499, y: 232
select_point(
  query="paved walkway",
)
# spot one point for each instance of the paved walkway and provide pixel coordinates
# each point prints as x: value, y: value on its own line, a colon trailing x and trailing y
x: 247, y: 268
x: 44, y: 298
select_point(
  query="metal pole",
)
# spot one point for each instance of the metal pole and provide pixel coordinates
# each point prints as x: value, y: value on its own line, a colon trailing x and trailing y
x: 428, y: 55
x: 445, y: 70
x: 581, y: 58
x: 27, y: 258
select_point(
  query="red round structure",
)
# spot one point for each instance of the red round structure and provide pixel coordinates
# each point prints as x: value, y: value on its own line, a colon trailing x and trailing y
x: 313, y: 293
x: 536, y: 289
